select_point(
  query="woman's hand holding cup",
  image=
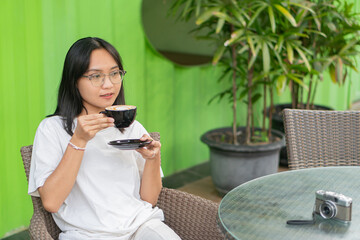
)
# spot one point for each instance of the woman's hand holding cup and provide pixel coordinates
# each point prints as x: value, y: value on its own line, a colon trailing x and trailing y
x: 88, y: 126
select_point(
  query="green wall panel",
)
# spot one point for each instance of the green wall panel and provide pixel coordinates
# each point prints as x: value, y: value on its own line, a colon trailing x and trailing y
x: 22, y: 103
x: 35, y: 36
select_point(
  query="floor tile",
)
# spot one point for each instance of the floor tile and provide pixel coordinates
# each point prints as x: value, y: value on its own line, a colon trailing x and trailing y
x: 203, y: 188
x: 23, y: 235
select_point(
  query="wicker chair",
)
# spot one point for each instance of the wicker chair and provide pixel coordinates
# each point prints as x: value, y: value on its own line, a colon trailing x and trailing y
x: 322, y: 138
x: 191, y: 217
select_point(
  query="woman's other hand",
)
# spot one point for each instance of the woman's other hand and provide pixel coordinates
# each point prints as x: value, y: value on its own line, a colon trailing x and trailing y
x: 150, y: 151
x: 151, y: 179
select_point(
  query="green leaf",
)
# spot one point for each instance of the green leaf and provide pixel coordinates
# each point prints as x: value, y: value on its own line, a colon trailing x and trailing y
x: 279, y: 43
x: 220, y: 25
x: 348, y: 46
x: 280, y: 60
x: 317, y: 21
x: 205, y: 16
x: 218, y: 54
x: 301, y: 35
x: 186, y: 8
x: 234, y: 36
x: 280, y: 84
x: 286, y: 14
x: 328, y: 62
x: 226, y: 18
x: 243, y: 49
x: 332, y: 26
x: 243, y: 93
x: 238, y: 14
x: 301, y: 6
x: 198, y: 7
x: 303, y: 57
x: 298, y: 81
x: 332, y: 73
x: 254, y: 56
x: 290, y: 52
x: 255, y: 97
x: 316, y: 32
x: 251, y: 45
x: 339, y: 70
x: 272, y: 19
x: 266, y: 57
x: 254, y: 17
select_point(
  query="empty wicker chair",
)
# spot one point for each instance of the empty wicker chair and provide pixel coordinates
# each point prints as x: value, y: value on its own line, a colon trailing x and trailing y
x: 322, y: 138
x: 191, y: 217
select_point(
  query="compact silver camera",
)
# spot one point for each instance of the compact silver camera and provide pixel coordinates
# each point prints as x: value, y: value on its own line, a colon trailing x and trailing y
x: 333, y: 205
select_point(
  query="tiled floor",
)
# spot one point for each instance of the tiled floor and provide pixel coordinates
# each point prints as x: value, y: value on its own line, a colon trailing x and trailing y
x: 206, y: 189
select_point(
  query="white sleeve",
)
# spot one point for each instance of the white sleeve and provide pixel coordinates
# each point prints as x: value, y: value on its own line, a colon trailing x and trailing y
x: 46, y: 155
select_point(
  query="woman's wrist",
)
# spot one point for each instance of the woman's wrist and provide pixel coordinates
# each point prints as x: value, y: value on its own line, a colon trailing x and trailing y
x: 76, y: 147
x: 152, y: 157
x: 76, y: 142
x: 154, y: 160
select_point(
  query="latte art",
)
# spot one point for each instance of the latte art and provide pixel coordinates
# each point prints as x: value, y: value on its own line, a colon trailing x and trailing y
x: 120, y: 108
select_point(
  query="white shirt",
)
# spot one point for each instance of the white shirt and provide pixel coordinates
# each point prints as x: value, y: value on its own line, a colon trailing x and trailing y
x: 104, y: 202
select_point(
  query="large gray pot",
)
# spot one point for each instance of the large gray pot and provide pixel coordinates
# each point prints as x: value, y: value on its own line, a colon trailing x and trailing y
x: 232, y: 165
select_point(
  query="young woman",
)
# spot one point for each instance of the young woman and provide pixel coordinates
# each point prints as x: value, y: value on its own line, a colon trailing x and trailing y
x: 93, y: 190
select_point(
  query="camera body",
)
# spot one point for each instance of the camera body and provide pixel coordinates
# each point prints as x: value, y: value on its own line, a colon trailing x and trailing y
x: 331, y: 205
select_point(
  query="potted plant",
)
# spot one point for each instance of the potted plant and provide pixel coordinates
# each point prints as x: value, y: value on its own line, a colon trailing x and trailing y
x: 250, y: 51
x: 331, y: 46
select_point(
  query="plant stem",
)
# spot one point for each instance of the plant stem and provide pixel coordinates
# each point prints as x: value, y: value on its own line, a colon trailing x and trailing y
x: 292, y: 90
x: 309, y: 93
x: 301, y: 94
x: 264, y: 108
x: 271, y: 111
x: 297, y: 95
x: 234, y: 88
x: 249, y: 110
x: 313, y: 95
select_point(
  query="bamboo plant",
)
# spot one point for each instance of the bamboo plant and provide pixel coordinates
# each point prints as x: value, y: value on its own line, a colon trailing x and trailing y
x: 253, y: 39
x: 333, y: 42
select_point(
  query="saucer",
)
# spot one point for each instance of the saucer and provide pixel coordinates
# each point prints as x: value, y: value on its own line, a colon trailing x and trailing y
x: 129, y: 144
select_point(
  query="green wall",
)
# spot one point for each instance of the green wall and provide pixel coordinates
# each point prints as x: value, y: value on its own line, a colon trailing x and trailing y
x: 35, y: 36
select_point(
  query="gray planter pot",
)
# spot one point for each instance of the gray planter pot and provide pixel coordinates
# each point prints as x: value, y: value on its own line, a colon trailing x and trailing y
x: 232, y: 165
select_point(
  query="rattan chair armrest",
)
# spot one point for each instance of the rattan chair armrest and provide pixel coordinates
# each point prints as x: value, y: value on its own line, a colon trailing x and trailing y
x: 190, y: 216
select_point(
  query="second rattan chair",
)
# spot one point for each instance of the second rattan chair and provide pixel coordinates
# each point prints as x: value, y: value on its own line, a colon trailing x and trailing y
x: 191, y: 217
x: 322, y: 138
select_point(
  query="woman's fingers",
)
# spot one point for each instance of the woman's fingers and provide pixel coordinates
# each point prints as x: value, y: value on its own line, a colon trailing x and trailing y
x: 151, y: 150
x: 89, y: 125
x: 145, y: 138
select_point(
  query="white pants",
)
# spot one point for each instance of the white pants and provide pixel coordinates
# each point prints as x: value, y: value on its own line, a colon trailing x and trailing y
x: 154, y: 229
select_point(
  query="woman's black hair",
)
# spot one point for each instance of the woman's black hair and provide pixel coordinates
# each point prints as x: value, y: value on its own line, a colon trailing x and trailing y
x: 70, y: 103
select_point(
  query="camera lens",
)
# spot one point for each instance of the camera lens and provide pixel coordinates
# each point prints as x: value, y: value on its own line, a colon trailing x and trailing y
x: 328, y: 209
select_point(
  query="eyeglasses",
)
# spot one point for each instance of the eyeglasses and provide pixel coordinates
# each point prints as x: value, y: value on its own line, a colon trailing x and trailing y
x: 98, y: 79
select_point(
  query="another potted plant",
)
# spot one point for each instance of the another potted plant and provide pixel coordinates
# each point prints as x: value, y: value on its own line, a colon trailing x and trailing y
x: 331, y: 46
x: 250, y: 50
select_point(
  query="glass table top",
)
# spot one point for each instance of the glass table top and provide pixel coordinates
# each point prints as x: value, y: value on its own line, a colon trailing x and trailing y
x: 259, y: 209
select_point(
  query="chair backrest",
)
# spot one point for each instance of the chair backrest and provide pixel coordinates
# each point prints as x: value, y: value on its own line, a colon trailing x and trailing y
x: 42, y: 225
x: 322, y: 138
